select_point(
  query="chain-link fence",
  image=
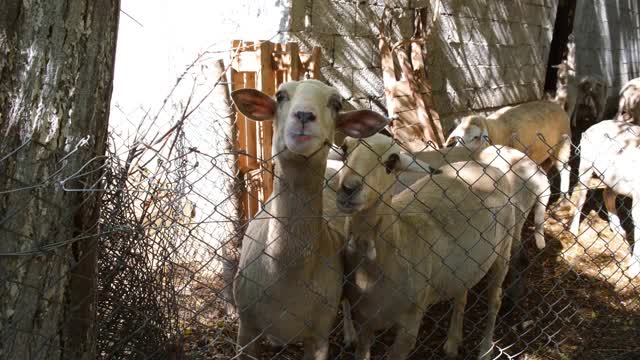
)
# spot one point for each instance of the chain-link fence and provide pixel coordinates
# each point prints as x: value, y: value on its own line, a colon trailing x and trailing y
x: 171, y: 225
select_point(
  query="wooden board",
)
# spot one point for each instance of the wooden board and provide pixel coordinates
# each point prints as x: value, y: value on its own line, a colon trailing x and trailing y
x: 264, y: 66
x: 268, y: 86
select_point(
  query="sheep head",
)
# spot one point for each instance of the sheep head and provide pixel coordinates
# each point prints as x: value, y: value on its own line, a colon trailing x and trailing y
x: 307, y: 114
x: 593, y: 90
x: 370, y: 172
x: 472, y: 132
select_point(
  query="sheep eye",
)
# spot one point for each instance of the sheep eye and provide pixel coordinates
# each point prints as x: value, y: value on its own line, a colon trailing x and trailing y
x: 281, y: 96
x: 344, y: 149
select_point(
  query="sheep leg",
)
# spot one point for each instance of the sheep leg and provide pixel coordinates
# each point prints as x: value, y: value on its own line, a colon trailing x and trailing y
x: 497, y: 275
x: 316, y: 348
x: 248, y: 341
x: 539, y: 210
x: 581, y: 190
x: 515, y: 287
x: 347, y: 324
x: 454, y: 336
x: 634, y: 268
x: 610, y: 203
x: 406, y: 335
x: 363, y: 346
x: 563, y: 153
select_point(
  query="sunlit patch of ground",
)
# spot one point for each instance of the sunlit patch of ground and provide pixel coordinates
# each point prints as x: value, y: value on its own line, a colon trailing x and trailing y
x: 598, y: 251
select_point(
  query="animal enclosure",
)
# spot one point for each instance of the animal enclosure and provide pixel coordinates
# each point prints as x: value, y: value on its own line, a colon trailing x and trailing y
x: 159, y: 297
x: 378, y: 180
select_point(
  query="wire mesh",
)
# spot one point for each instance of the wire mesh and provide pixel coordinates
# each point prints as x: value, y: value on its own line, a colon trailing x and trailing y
x: 171, y: 228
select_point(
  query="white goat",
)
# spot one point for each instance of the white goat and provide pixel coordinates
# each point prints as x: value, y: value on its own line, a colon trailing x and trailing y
x: 609, y: 150
x: 431, y: 243
x: 540, y: 129
x: 290, y: 276
x: 629, y: 104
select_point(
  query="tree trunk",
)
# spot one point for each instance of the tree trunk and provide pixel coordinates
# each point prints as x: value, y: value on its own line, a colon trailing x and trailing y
x: 227, y: 117
x: 56, y: 73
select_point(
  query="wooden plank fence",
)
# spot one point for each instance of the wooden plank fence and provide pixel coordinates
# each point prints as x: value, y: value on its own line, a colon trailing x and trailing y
x: 264, y: 66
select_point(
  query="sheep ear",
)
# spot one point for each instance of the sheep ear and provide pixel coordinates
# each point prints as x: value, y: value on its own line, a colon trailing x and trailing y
x: 254, y: 104
x: 404, y: 162
x: 451, y: 142
x: 336, y: 154
x: 392, y: 162
x: 360, y: 123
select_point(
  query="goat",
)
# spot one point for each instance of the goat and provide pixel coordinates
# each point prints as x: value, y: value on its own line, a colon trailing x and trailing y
x: 407, y: 252
x: 609, y: 150
x: 290, y: 275
x: 629, y: 103
x: 540, y: 129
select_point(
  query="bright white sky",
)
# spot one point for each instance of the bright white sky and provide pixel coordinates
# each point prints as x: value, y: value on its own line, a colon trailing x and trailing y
x: 150, y: 57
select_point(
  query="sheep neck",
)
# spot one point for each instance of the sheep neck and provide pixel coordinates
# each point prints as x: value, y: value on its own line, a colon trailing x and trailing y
x: 373, y: 224
x: 495, y: 132
x: 297, y: 205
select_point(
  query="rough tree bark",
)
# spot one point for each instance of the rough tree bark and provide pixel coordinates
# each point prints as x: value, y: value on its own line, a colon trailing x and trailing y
x: 56, y: 73
x: 227, y: 116
x: 415, y: 123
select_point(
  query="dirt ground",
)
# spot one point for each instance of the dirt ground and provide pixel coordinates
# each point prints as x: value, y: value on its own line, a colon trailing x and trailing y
x: 579, y: 305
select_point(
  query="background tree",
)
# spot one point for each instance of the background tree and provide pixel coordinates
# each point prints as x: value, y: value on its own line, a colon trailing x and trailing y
x: 56, y: 74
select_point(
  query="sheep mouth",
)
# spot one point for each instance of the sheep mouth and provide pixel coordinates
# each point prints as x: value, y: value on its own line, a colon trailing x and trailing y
x: 302, y: 137
x: 348, y: 206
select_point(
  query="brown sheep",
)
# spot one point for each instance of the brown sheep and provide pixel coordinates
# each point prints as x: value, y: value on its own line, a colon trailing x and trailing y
x: 540, y: 129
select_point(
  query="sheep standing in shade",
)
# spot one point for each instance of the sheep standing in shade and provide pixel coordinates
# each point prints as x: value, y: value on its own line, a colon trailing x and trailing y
x: 430, y: 243
x: 573, y: 91
x: 530, y: 192
x: 610, y: 150
x: 592, y: 93
x: 290, y: 278
x: 540, y: 129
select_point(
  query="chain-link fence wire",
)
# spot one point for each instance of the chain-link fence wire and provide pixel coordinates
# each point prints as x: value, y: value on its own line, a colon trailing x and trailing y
x: 550, y: 310
x: 171, y: 223
x: 173, y: 201
x: 37, y: 257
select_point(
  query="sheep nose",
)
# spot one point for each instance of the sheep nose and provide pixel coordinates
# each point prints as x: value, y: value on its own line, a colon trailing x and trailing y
x: 349, y: 190
x: 304, y: 116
